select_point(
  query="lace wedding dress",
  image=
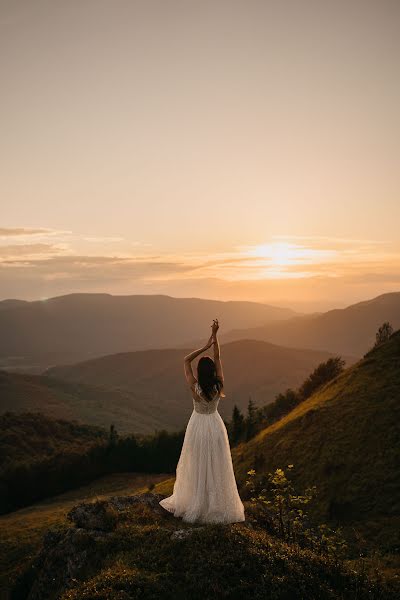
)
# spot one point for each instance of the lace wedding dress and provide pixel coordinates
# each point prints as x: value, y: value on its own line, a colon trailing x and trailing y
x: 205, y: 489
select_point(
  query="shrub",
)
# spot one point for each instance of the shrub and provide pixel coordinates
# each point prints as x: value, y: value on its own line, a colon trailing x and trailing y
x: 283, y: 512
x: 383, y: 334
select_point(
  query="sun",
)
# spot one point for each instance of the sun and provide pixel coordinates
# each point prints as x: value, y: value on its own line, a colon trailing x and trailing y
x: 282, y: 254
x: 286, y: 254
x: 277, y: 253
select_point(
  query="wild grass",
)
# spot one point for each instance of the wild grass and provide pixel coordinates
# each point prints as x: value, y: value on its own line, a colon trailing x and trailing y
x: 21, y: 532
x: 344, y: 439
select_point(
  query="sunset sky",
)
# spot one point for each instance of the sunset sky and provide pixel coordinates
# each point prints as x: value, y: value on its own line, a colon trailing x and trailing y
x: 219, y: 149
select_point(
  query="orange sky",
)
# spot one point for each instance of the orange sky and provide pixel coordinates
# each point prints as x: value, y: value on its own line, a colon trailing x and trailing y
x: 225, y: 149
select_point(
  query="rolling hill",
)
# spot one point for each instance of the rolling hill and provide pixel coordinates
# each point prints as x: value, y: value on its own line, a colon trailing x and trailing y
x: 344, y: 439
x: 348, y: 330
x: 251, y: 368
x: 12, y: 303
x: 31, y: 437
x: 35, y: 335
x: 21, y: 393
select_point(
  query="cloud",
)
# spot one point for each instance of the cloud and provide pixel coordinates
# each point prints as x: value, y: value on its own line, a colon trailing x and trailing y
x: 106, y: 239
x: 65, y: 262
x: 26, y: 233
x: 317, y: 239
x: 27, y: 250
x: 101, y: 268
x: 19, y: 231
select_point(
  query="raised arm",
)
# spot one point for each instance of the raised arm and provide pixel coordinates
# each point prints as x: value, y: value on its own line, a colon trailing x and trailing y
x: 190, y: 378
x: 217, y: 356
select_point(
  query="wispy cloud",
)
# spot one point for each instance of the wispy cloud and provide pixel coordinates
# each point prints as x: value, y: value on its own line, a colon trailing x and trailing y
x: 22, y: 231
x: 277, y: 264
x: 85, y: 268
x: 28, y: 250
x: 324, y: 239
x: 102, y: 239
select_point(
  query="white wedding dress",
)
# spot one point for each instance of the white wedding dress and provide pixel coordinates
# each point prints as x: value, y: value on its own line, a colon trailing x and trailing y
x: 205, y: 489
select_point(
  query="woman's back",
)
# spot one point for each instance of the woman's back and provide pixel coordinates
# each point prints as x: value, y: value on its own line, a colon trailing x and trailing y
x: 201, y: 404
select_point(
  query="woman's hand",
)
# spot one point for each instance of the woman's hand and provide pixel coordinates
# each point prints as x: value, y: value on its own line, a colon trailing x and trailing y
x: 214, y: 327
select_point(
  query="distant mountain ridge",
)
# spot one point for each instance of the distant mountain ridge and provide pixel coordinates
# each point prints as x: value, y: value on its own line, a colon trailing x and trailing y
x: 252, y: 369
x: 81, y: 326
x: 146, y: 390
x: 348, y: 330
x: 12, y: 303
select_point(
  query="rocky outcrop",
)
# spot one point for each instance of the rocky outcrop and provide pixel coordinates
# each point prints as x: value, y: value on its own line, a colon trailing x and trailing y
x: 103, y: 514
x: 72, y: 554
x: 68, y: 554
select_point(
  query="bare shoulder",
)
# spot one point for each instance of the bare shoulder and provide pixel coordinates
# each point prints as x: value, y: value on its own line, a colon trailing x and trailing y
x: 196, y: 392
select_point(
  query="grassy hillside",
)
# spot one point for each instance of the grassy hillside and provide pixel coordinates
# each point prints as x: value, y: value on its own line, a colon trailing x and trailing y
x: 21, y: 532
x: 91, y: 404
x: 345, y: 439
x: 80, y: 326
x: 32, y: 437
x: 251, y: 368
x: 138, y: 550
x: 42, y: 457
x: 349, y: 330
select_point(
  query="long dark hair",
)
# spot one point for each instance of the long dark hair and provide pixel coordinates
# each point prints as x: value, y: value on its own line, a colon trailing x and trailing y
x: 207, y: 377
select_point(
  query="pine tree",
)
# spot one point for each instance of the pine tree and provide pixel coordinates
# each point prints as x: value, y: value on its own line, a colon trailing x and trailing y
x: 251, y: 419
x: 236, y: 428
x: 113, y: 436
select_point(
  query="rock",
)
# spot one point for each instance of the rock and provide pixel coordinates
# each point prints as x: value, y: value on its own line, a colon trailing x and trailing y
x: 151, y: 500
x: 94, y: 516
x: 66, y: 555
x: 102, y: 515
x: 182, y: 534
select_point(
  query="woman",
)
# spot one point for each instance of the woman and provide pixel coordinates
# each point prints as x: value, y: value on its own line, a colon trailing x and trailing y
x: 205, y: 489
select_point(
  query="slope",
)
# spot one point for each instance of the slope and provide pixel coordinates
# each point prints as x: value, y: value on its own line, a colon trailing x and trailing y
x: 128, y: 547
x: 90, y: 404
x: 251, y: 368
x: 32, y: 437
x: 345, y: 440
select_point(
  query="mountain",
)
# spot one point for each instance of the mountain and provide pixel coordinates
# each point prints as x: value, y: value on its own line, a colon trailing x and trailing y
x: 344, y: 439
x: 11, y: 303
x: 251, y: 368
x: 21, y: 393
x: 33, y: 437
x: 34, y: 335
x: 348, y: 330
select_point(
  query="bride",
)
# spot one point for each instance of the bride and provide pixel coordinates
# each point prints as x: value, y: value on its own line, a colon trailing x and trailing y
x: 205, y: 489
